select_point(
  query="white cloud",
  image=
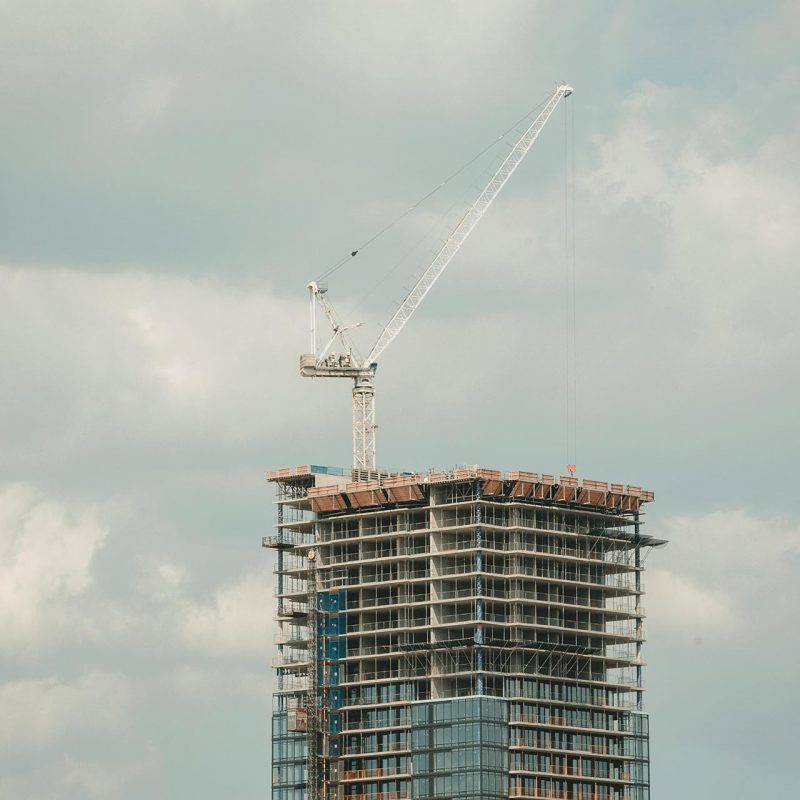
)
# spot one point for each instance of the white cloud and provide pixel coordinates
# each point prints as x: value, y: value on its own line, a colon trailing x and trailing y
x: 40, y: 714
x: 147, y: 100
x: 737, y: 545
x: 727, y: 220
x: 163, y: 582
x: 237, y: 623
x: 122, y: 356
x: 687, y: 607
x: 106, y: 781
x: 46, y: 551
x: 724, y: 572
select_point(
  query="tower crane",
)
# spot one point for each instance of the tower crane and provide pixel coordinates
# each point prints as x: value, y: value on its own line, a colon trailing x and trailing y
x: 361, y: 369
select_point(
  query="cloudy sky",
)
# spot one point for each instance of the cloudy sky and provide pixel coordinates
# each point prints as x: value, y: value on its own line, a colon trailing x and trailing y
x: 171, y: 176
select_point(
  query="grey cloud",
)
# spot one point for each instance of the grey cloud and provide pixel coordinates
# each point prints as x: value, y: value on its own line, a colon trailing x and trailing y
x: 47, y: 548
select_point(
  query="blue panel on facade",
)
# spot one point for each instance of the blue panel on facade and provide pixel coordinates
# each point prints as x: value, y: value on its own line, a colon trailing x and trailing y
x: 334, y: 723
x: 333, y: 649
x: 320, y: 468
x: 333, y: 626
x: 335, y: 698
x: 333, y: 602
x: 333, y: 675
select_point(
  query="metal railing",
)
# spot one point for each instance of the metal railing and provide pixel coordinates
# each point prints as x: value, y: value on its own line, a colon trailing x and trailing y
x: 391, y: 747
x: 371, y: 774
x: 379, y: 796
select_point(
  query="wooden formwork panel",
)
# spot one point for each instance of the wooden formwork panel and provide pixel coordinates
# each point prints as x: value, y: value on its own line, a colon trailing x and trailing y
x: 365, y: 499
x: 565, y: 494
x: 519, y: 475
x: 405, y: 494
x: 438, y: 477
x: 522, y: 489
x: 614, y: 497
x: 400, y: 480
x: 288, y: 472
x: 592, y: 497
x: 321, y: 491
x: 493, y: 487
x: 362, y: 486
x: 631, y: 503
x: 614, y: 500
x: 593, y: 493
x: 328, y: 502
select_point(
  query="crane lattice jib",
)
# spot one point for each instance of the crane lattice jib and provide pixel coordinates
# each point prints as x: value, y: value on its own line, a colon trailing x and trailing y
x: 465, y: 226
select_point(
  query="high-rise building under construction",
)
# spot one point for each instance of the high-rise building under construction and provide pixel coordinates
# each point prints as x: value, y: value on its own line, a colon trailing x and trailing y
x: 464, y: 634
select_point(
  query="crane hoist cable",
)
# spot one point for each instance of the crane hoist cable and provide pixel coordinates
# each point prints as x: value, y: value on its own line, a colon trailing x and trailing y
x: 353, y: 253
x: 570, y: 326
x: 433, y: 229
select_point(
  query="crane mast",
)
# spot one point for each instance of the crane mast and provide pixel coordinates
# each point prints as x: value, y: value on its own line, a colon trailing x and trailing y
x: 348, y: 363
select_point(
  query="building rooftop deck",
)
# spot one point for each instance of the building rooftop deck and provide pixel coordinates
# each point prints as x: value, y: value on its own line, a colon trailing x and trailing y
x: 398, y: 487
